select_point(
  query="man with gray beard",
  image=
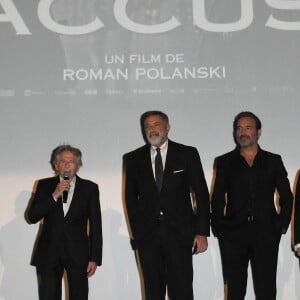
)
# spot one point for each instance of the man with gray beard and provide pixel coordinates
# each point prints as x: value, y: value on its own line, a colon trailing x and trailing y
x: 165, y: 225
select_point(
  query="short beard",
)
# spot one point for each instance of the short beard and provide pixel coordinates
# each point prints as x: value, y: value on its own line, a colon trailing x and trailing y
x: 156, y: 141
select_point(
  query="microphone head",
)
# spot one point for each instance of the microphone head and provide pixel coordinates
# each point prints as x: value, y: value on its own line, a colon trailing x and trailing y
x: 66, y: 175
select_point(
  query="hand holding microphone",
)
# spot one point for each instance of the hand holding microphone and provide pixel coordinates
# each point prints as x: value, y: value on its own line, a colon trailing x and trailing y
x: 63, y: 187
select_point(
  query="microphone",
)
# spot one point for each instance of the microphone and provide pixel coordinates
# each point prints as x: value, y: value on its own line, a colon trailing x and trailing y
x: 65, y: 193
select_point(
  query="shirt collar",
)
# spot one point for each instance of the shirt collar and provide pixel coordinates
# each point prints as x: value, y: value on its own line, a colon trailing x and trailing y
x: 238, y: 149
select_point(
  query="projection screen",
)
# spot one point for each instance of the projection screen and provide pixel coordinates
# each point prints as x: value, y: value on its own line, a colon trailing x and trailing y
x: 82, y: 72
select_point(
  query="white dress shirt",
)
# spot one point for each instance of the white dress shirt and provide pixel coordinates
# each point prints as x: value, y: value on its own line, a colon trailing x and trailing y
x: 66, y: 205
x: 163, y: 152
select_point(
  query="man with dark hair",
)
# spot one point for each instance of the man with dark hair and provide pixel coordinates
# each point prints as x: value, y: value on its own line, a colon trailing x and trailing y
x: 71, y: 236
x: 245, y: 218
x: 165, y: 225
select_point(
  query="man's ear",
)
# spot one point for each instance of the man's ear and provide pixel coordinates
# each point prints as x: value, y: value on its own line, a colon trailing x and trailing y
x: 259, y: 132
x: 168, y: 127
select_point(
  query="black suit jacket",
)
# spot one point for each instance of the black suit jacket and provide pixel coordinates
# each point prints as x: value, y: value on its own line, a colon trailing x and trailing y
x: 241, y: 191
x: 68, y: 233
x: 297, y: 213
x: 183, y: 173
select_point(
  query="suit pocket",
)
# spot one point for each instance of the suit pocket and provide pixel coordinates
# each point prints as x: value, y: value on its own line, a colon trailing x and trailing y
x: 178, y: 171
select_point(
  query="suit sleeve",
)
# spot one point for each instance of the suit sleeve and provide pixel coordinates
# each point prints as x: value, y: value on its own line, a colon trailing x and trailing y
x: 218, y: 199
x: 130, y: 195
x: 200, y: 190
x: 297, y: 213
x: 42, y: 203
x: 95, y: 235
x: 285, y: 196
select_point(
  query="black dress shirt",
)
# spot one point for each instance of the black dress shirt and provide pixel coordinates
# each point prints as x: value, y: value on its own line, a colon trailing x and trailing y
x: 244, y: 193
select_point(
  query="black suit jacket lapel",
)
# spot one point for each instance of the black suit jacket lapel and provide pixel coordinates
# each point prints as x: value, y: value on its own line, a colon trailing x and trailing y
x: 147, y: 165
x: 170, y: 159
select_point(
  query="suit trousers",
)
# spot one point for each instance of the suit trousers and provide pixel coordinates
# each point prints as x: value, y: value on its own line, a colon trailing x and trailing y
x: 50, y: 280
x: 257, y: 245
x: 166, y: 265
